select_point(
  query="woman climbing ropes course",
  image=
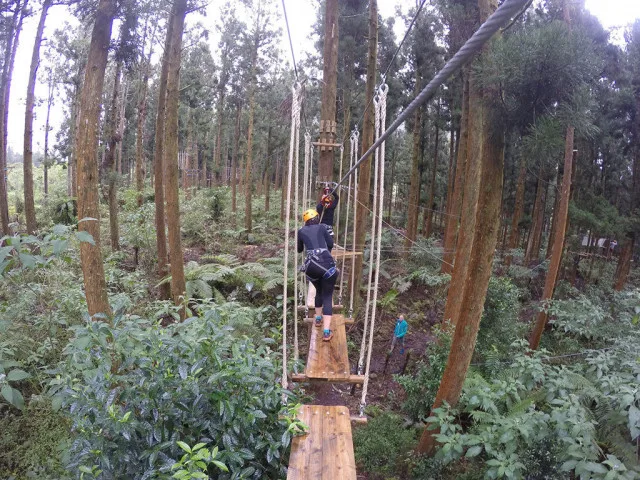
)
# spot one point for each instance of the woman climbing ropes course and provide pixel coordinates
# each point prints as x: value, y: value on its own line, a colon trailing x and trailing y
x: 319, y: 267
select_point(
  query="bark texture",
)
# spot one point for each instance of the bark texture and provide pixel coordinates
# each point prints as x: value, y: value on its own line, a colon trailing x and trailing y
x: 558, y: 241
x: 87, y: 160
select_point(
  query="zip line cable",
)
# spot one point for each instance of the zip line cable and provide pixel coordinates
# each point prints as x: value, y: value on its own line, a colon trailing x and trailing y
x: 286, y: 20
x: 472, y: 46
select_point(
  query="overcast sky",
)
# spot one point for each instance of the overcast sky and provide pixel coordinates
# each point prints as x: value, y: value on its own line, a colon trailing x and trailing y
x: 614, y: 14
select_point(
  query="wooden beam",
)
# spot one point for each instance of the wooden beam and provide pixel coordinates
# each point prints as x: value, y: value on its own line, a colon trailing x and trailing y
x: 302, y: 378
x: 347, y: 321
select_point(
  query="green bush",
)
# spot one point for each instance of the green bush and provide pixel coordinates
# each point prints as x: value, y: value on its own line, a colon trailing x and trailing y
x: 383, y: 446
x: 500, y: 325
x: 422, y: 385
x: 145, y: 388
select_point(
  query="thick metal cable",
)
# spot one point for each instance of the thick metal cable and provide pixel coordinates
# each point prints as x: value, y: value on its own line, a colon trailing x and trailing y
x: 293, y: 149
x: 293, y: 56
x: 472, y: 46
x: 381, y: 106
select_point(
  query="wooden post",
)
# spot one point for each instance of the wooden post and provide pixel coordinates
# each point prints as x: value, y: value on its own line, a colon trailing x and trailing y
x: 329, y: 85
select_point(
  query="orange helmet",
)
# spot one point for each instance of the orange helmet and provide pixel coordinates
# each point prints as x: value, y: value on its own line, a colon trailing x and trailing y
x: 309, y: 214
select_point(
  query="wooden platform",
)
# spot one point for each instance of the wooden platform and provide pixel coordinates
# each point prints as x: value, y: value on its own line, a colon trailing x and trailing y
x: 340, y: 254
x: 336, y: 308
x: 329, y: 360
x: 326, y: 452
x: 347, y: 321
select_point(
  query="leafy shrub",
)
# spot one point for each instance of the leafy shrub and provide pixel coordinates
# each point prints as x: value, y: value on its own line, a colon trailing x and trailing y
x: 499, y: 326
x: 383, y: 446
x: 421, y: 386
x: 144, y: 388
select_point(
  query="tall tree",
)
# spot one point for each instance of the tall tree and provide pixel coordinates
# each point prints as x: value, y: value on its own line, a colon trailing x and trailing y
x: 87, y: 160
x: 29, y: 204
x: 109, y: 166
x: 178, y: 286
x: 11, y: 46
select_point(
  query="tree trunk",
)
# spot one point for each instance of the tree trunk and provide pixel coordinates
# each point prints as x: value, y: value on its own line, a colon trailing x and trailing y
x: 535, y: 235
x: 11, y: 43
x: 109, y: 166
x: 455, y: 199
x: 368, y: 127
x: 87, y: 161
x: 450, y: 176
x: 248, y: 184
x: 329, y: 85
x: 121, y: 115
x: 142, y: 116
x: 234, y: 164
x: 558, y: 241
x: 158, y: 168
x: 432, y: 186
x: 47, y: 128
x: 267, y: 175
x: 29, y: 204
x: 486, y: 229
x: 414, y: 187
x: 518, y: 211
x: 469, y: 203
x: 171, y: 154
x: 624, y: 263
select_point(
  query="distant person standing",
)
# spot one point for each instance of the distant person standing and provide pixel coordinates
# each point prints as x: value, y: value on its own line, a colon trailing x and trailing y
x: 326, y: 208
x: 399, y: 333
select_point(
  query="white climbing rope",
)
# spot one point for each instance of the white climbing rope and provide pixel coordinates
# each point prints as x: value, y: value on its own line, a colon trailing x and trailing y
x: 294, y: 148
x: 305, y: 175
x: 352, y: 156
x: 354, y: 151
x: 337, y: 229
x: 381, y: 114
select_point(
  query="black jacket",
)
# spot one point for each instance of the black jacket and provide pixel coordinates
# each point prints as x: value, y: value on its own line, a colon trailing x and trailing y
x: 327, y: 218
x: 314, y: 236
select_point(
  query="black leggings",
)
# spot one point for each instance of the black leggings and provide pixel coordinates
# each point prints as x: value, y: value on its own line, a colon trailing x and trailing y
x: 324, y: 293
x: 324, y: 286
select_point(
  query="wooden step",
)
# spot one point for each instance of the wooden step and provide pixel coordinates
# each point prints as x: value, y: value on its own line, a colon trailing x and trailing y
x: 336, y: 308
x: 302, y: 378
x: 347, y: 321
x: 339, y: 255
x: 329, y: 361
x: 326, y: 452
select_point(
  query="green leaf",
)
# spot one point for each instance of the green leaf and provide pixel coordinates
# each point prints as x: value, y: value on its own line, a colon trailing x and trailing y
x: 198, y: 446
x: 13, y: 396
x: 184, y: 446
x: 17, y: 375
x: 474, y: 451
x: 220, y: 465
x: 28, y: 261
x: 85, y: 237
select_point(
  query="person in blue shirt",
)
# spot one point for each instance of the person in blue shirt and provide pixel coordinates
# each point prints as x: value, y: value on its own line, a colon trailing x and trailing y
x: 399, y: 332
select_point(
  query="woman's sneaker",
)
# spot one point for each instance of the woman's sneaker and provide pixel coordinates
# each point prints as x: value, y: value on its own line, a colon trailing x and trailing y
x: 318, y: 320
x: 327, y: 335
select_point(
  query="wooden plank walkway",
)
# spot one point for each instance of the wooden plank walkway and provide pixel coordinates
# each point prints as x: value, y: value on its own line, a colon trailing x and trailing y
x: 328, y: 360
x: 326, y: 452
x: 340, y: 254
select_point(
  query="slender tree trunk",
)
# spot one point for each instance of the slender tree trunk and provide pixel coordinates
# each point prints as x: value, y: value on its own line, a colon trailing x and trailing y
x: 87, y: 162
x: 329, y: 86
x: 142, y: 116
x: 414, y: 187
x: 267, y: 175
x: 518, y: 211
x: 216, y: 155
x: 486, y: 229
x: 368, y: 127
x: 248, y: 217
x: 624, y: 263
x: 432, y: 186
x: 450, y: 176
x: 391, y: 182
x: 171, y: 154
x: 535, y: 234
x: 158, y: 168
x: 469, y: 203
x: 11, y: 43
x: 47, y: 128
x: 234, y: 164
x: 29, y: 203
x: 121, y: 115
x: 109, y: 166
x: 455, y: 209
x: 558, y: 241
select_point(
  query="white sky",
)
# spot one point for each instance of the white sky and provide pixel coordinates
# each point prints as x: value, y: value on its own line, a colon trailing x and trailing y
x: 614, y: 14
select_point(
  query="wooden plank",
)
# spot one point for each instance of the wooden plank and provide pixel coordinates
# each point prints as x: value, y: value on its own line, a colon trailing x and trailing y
x: 339, y: 255
x: 326, y: 452
x: 336, y: 308
x: 329, y: 360
x: 301, y: 377
x: 347, y: 321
